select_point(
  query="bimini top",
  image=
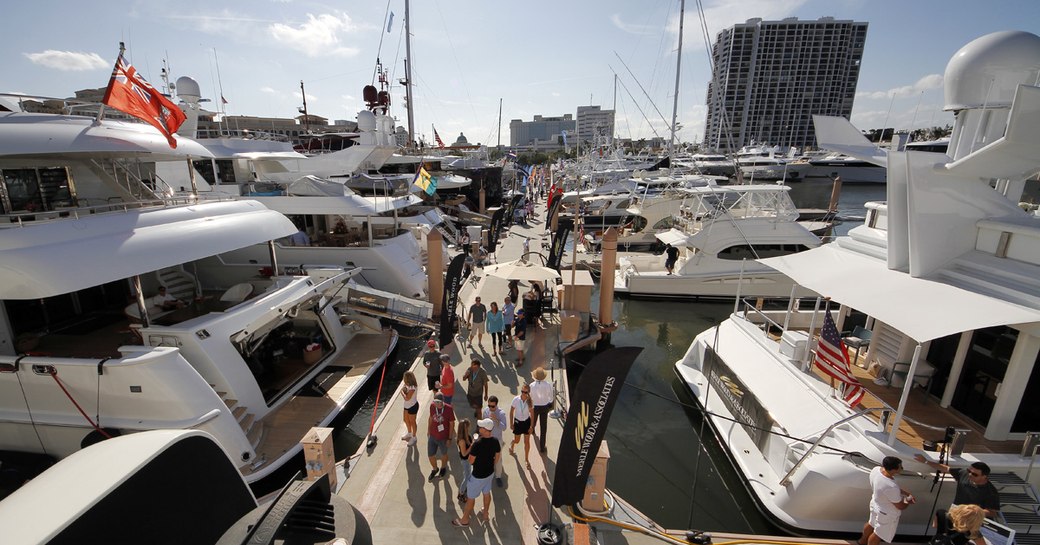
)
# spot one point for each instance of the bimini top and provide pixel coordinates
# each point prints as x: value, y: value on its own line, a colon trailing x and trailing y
x: 27, y: 135
x: 45, y: 258
x: 922, y: 308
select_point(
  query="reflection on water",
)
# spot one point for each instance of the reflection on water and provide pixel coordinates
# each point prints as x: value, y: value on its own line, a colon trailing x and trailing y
x: 656, y: 459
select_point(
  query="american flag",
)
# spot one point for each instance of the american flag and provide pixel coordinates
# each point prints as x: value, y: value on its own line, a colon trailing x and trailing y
x: 833, y: 359
x: 437, y: 137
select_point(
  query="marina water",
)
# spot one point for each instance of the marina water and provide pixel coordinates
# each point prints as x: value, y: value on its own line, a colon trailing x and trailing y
x: 659, y: 462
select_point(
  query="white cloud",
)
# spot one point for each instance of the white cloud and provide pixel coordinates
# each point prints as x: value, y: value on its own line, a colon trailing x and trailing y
x: 642, y: 30
x: 931, y: 81
x: 69, y: 61
x: 318, y: 36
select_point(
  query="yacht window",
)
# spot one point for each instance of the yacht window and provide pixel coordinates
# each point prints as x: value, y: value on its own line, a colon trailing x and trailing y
x: 666, y: 223
x: 744, y: 251
x: 623, y: 204
x: 36, y: 190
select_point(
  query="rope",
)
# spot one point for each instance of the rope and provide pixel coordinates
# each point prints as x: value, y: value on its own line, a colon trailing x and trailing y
x: 54, y: 375
x: 27, y: 408
x: 386, y: 363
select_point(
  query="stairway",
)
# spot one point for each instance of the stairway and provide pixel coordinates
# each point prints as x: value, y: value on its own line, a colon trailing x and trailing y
x: 253, y: 428
x: 178, y: 283
x: 1019, y: 506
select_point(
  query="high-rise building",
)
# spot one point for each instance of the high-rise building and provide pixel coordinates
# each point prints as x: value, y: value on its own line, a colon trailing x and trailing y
x: 771, y: 77
x: 541, y: 130
x: 594, y: 122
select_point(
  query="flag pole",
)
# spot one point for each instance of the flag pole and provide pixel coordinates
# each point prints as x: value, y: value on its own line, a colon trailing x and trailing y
x: 101, y: 110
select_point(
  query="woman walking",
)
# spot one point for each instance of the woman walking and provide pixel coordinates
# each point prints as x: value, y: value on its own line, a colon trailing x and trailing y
x: 520, y: 415
x: 495, y: 326
x: 464, y: 441
x: 411, y: 406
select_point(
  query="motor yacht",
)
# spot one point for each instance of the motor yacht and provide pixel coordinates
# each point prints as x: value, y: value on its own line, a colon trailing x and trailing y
x: 251, y: 355
x: 719, y: 231
x: 943, y: 276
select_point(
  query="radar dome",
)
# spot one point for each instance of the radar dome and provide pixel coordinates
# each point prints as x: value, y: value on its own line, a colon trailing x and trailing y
x: 366, y: 121
x: 988, y: 70
x: 188, y: 90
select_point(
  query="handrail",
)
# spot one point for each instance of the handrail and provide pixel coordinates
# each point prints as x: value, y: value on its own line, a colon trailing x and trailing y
x: 786, y: 480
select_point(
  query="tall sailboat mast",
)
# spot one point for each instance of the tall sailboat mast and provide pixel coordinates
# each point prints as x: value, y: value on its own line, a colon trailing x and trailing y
x: 678, y: 67
x: 408, y: 97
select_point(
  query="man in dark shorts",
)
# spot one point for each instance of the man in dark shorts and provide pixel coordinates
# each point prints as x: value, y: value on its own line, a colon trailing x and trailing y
x: 476, y: 387
x: 441, y: 430
x: 475, y: 321
x: 483, y: 456
x: 432, y: 363
x: 973, y: 486
x: 672, y: 255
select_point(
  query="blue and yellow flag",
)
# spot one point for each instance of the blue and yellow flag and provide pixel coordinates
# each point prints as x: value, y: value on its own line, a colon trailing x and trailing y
x: 425, y: 182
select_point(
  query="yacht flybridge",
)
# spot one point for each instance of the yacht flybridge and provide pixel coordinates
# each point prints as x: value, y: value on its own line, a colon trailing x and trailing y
x: 253, y: 357
x: 945, y: 277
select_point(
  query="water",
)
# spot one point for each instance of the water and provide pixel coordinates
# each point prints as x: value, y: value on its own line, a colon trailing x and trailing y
x: 658, y: 461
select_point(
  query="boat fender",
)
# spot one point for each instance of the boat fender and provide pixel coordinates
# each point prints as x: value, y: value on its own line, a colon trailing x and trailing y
x: 698, y: 537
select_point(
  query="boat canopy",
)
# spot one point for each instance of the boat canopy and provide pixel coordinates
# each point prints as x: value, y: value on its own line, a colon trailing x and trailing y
x: 47, y: 258
x: 922, y: 308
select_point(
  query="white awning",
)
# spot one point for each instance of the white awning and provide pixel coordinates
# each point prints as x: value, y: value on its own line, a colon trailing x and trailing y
x: 672, y: 236
x: 921, y: 308
x: 46, y: 258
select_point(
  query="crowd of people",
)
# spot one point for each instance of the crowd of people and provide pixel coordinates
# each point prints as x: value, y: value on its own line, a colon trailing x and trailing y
x: 478, y: 436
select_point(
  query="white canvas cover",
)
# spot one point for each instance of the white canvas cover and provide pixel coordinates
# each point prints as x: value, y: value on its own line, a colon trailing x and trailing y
x: 922, y: 308
x: 47, y: 258
x: 672, y: 236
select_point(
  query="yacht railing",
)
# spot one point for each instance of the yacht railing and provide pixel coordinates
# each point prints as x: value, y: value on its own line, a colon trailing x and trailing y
x: 21, y: 219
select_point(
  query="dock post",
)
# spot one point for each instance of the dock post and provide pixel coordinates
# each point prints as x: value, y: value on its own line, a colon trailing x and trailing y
x: 435, y: 270
x: 608, y: 262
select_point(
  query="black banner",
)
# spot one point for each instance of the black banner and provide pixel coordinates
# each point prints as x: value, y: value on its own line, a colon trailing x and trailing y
x: 556, y: 247
x: 742, y: 404
x: 452, y: 285
x: 497, y: 220
x: 594, y: 397
x: 511, y: 209
x: 554, y: 206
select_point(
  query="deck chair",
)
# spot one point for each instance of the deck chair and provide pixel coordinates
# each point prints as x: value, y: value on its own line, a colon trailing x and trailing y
x: 237, y: 293
x: 858, y: 338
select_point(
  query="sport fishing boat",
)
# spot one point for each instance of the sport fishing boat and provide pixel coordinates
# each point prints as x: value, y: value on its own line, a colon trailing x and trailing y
x: 253, y: 357
x: 942, y: 280
x: 719, y: 231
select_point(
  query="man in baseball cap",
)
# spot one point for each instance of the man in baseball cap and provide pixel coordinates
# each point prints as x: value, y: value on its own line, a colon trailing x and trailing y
x: 483, y: 455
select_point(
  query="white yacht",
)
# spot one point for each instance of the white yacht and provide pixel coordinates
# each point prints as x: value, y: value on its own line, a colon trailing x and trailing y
x: 945, y: 275
x: 250, y: 356
x: 759, y: 162
x: 342, y: 227
x: 850, y: 169
x: 719, y: 231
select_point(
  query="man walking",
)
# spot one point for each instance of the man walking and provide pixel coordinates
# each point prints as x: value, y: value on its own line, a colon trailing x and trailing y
x: 432, y: 363
x: 476, y: 386
x: 508, y: 309
x: 441, y: 430
x: 886, y: 503
x: 446, y: 382
x: 484, y: 456
x: 498, y: 416
x: 475, y: 321
x: 542, y: 398
x: 671, y: 256
x: 973, y: 486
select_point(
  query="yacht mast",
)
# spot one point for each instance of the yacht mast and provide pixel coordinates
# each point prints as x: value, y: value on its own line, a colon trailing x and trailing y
x: 408, y: 71
x: 678, y: 66
x: 499, y: 145
x: 306, y: 118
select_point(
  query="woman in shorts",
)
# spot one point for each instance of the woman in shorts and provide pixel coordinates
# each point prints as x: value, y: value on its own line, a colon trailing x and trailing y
x: 411, y: 406
x: 520, y: 411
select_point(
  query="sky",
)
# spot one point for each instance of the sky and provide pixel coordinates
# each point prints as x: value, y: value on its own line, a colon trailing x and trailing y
x: 537, y: 57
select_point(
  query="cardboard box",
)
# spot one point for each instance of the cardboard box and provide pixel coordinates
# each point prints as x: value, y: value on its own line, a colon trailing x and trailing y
x: 596, y: 486
x: 570, y: 325
x: 319, y: 455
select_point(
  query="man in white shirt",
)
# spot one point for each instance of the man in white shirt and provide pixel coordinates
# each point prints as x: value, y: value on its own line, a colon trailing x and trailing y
x: 886, y: 503
x: 542, y: 398
x: 165, y: 301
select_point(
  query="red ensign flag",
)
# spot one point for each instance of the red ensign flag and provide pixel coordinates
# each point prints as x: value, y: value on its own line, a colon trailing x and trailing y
x: 128, y: 92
